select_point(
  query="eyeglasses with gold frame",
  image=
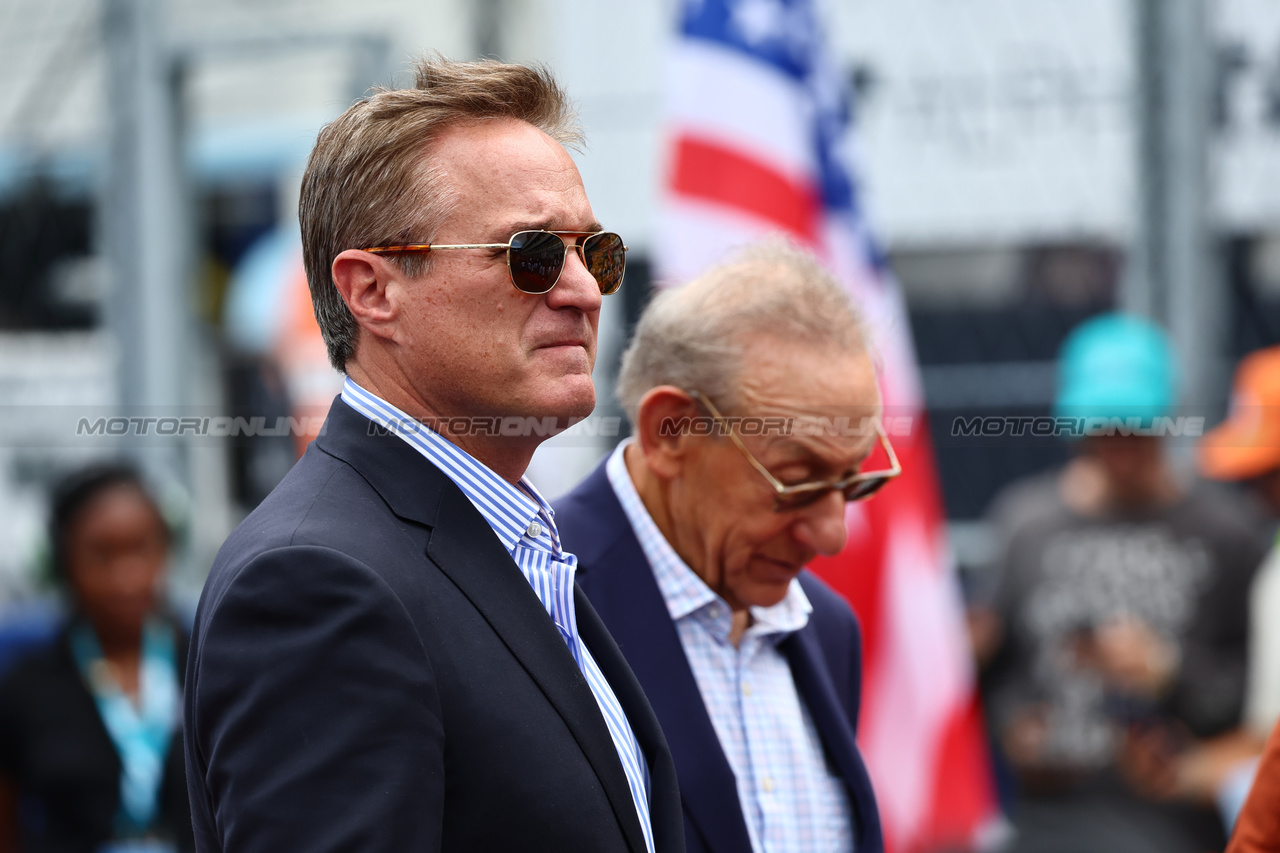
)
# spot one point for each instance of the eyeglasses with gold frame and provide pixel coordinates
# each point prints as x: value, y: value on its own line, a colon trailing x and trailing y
x: 854, y: 487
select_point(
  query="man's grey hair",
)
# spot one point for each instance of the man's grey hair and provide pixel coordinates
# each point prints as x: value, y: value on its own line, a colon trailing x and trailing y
x: 694, y: 337
x: 370, y: 180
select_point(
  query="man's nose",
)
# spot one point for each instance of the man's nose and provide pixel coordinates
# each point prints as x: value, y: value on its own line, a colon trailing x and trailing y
x: 577, y: 287
x: 821, y: 526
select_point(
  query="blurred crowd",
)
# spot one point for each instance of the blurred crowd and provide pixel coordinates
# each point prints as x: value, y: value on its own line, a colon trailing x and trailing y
x: 1125, y: 632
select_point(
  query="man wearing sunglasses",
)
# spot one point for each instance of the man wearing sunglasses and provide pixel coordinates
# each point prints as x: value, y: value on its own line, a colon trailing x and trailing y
x: 390, y: 653
x: 756, y: 419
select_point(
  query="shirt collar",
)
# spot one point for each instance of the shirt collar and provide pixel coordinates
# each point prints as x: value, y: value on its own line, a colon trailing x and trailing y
x: 509, y: 509
x: 682, y: 590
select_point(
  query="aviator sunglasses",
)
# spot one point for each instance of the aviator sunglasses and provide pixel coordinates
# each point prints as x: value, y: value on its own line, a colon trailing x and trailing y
x: 535, y: 259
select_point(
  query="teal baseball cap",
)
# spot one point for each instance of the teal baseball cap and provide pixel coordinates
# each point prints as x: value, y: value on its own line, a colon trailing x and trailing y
x: 1116, y: 366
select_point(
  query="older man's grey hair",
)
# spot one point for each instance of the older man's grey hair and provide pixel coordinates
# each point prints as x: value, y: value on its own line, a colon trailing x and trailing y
x: 694, y: 337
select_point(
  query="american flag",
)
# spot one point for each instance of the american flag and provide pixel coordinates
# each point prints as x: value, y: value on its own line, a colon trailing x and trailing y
x: 758, y: 121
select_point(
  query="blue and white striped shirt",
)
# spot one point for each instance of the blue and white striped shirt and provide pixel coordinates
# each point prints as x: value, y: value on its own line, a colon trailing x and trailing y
x: 523, y: 522
x: 790, y: 799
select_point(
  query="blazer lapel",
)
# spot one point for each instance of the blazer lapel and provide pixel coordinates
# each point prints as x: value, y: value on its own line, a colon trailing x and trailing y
x: 637, y: 618
x: 465, y: 549
x: 805, y: 657
x: 664, y: 800
x: 463, y: 546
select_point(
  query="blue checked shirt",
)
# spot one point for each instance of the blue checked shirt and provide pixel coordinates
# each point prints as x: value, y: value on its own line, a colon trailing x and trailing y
x: 523, y: 523
x: 790, y: 800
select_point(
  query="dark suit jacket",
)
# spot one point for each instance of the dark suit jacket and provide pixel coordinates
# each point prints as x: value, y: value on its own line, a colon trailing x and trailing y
x: 825, y: 658
x: 370, y: 671
x: 56, y: 749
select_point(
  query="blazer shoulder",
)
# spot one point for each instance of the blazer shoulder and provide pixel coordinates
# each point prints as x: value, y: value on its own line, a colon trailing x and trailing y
x: 281, y: 512
x: 310, y: 506
x: 323, y: 506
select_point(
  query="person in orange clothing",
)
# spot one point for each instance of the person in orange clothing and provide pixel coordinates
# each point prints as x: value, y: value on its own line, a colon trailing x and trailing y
x: 1258, y: 826
x: 299, y: 351
x: 1246, y: 448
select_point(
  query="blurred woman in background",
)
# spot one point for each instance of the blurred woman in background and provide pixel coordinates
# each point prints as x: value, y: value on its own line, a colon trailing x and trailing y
x: 90, y: 756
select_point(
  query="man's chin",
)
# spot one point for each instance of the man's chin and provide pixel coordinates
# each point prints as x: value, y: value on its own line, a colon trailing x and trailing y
x: 768, y: 595
x: 772, y: 580
x: 576, y: 398
x: 564, y: 408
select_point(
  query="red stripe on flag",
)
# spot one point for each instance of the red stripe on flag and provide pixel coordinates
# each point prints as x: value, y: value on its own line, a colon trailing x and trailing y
x: 715, y: 173
x: 858, y: 571
x: 959, y: 787
x: 964, y: 783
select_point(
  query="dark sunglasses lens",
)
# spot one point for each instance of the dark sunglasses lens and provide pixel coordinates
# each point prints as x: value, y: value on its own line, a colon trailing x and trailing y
x: 799, y: 500
x: 606, y: 260
x: 536, y: 259
x: 853, y: 492
x: 864, y: 488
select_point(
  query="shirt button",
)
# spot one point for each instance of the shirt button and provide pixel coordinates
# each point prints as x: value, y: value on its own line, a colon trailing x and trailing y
x: 714, y: 612
x: 767, y: 784
x: 746, y: 689
x: 534, y: 531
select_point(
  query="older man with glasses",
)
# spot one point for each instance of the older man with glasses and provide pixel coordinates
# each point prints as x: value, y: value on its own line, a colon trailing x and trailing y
x: 756, y: 418
x: 390, y: 653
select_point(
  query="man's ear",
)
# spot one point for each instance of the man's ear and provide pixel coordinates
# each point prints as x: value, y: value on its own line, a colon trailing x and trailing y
x: 663, y: 429
x: 362, y: 279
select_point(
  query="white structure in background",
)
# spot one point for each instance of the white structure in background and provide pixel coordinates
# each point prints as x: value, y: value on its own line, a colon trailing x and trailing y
x: 43, y: 380
x: 995, y: 121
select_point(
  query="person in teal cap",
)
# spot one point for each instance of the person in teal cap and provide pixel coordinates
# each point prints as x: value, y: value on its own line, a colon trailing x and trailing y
x: 1116, y: 612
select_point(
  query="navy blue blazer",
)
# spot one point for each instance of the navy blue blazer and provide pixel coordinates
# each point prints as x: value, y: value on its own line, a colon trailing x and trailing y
x: 370, y: 671
x: 825, y: 658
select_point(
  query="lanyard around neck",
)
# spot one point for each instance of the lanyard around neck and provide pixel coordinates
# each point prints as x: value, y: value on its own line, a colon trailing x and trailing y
x: 141, y: 732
